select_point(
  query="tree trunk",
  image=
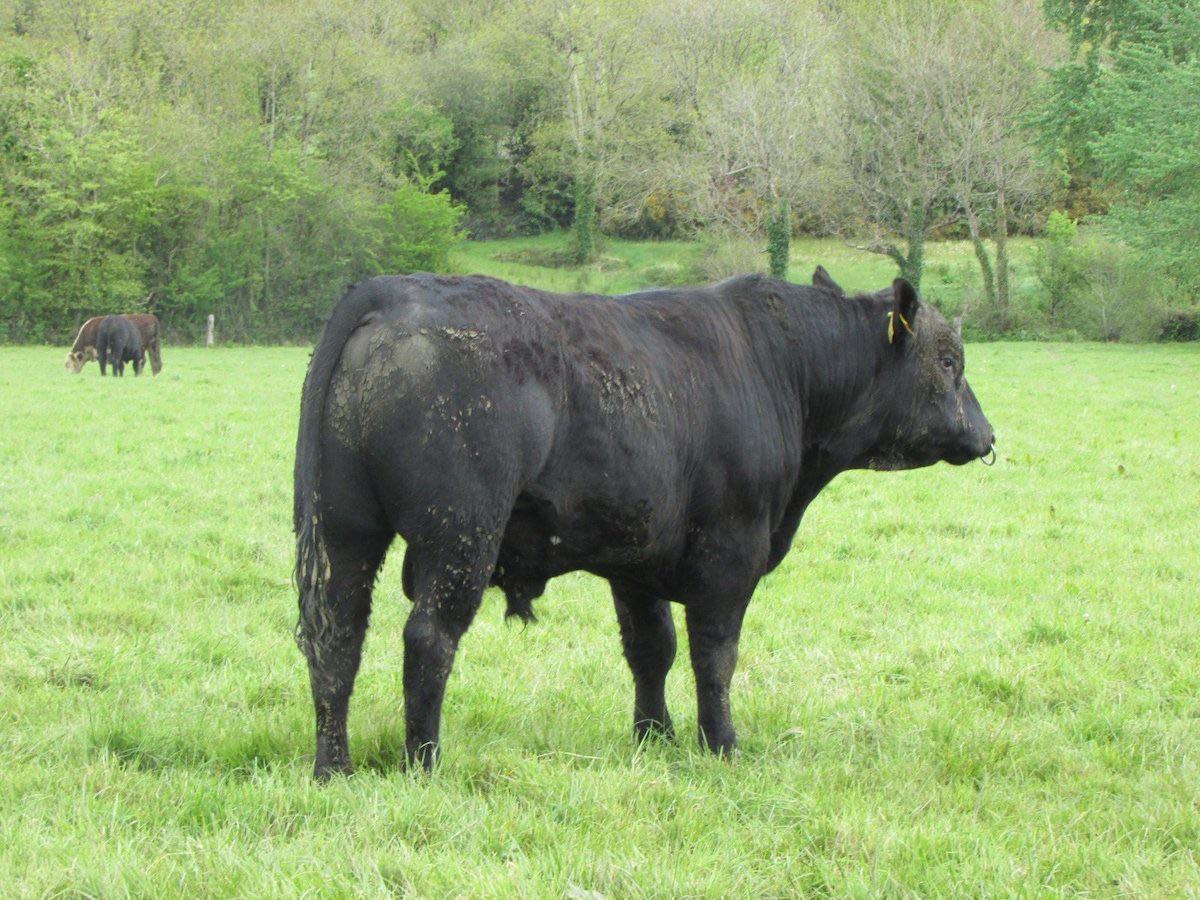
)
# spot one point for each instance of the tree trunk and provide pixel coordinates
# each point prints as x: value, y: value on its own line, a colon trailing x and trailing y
x: 779, y: 236
x: 585, y: 219
x: 981, y: 254
x: 1002, y: 295
x: 914, y: 261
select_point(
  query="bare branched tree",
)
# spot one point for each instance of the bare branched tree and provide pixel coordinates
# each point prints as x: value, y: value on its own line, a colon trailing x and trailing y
x: 752, y: 77
x: 898, y: 169
x: 989, y: 91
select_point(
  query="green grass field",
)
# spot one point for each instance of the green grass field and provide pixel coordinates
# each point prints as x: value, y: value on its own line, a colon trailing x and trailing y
x: 962, y: 681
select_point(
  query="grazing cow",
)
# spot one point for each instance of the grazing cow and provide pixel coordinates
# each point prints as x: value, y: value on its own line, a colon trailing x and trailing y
x: 668, y: 441
x: 118, y: 341
x: 84, y: 348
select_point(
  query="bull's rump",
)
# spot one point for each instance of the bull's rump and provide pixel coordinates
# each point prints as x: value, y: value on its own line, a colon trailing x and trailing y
x: 590, y: 431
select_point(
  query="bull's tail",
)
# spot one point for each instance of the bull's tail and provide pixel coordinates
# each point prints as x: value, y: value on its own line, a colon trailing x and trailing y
x: 312, y: 558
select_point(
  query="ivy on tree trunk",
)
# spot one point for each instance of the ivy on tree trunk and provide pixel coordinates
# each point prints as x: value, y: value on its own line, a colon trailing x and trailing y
x: 585, y: 219
x: 779, y: 235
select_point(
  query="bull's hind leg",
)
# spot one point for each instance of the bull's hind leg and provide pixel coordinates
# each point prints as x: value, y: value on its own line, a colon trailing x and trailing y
x: 648, y: 637
x: 447, y: 586
x: 330, y: 633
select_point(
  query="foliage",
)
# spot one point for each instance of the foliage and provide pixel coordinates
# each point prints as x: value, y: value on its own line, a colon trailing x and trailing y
x: 1094, y: 29
x: 249, y: 158
x: 1179, y: 325
x: 191, y: 166
x: 725, y: 255
x: 1146, y: 148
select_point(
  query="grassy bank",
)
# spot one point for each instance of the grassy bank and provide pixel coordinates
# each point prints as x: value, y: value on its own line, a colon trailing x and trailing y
x: 951, y: 272
x: 961, y: 681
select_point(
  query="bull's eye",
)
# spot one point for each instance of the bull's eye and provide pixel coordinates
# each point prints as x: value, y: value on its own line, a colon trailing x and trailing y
x: 948, y: 364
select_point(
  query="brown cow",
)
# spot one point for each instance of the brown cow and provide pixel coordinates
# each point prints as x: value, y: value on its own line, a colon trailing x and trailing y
x: 84, y: 348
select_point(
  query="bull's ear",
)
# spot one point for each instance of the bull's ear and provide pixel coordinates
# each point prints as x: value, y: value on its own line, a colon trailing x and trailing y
x: 822, y: 279
x: 903, y: 316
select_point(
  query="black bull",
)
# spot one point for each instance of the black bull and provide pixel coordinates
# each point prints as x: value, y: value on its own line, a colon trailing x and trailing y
x: 668, y: 441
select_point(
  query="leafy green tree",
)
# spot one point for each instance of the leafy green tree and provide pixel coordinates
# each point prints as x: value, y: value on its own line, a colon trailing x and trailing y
x: 1094, y: 28
x: 1146, y: 145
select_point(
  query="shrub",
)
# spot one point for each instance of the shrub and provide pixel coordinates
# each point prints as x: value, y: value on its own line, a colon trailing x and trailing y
x: 1109, y: 292
x: 544, y: 257
x: 420, y: 229
x: 723, y: 255
x: 1179, y: 325
x: 1059, y: 266
x: 661, y: 215
x: 1119, y: 298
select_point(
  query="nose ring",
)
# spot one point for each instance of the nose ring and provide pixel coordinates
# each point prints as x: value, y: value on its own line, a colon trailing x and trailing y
x: 992, y: 452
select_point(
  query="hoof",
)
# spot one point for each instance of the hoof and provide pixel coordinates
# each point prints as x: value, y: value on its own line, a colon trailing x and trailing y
x: 653, y: 729
x: 423, y: 757
x: 322, y: 772
x: 725, y: 746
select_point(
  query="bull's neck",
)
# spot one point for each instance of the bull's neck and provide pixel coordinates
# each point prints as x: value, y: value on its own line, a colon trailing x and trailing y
x: 839, y: 372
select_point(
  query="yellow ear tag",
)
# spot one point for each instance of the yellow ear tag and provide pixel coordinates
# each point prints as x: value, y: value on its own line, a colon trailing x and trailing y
x: 892, y: 316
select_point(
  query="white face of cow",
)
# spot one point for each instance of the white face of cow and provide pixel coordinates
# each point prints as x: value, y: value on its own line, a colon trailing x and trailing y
x: 77, y: 359
x: 929, y: 412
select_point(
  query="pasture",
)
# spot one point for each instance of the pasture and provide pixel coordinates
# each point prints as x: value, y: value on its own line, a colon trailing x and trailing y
x: 960, y: 681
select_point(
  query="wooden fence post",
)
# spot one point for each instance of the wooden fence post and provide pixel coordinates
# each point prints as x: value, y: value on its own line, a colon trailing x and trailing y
x: 208, y: 339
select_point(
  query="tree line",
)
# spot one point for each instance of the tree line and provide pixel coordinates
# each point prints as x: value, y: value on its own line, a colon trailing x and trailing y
x: 249, y: 157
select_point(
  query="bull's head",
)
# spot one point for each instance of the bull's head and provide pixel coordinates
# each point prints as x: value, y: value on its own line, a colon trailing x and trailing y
x: 929, y: 413
x: 77, y: 358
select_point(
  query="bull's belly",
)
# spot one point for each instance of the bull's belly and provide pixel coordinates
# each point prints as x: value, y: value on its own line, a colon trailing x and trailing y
x: 543, y: 539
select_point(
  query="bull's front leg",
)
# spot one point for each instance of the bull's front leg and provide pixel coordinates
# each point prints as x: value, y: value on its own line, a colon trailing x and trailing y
x: 713, y: 632
x: 648, y: 639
